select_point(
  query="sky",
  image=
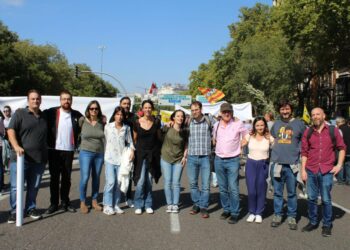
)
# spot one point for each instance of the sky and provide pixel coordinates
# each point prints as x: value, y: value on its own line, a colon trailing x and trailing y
x: 144, y: 41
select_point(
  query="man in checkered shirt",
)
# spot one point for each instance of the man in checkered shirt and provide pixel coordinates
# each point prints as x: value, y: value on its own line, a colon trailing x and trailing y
x: 199, y: 150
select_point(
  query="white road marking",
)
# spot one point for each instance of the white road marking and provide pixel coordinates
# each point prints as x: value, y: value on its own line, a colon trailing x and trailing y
x: 333, y: 204
x: 174, y: 223
x: 341, y: 207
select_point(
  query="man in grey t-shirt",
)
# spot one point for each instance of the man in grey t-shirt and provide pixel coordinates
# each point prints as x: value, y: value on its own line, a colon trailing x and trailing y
x: 27, y: 133
x: 285, y: 157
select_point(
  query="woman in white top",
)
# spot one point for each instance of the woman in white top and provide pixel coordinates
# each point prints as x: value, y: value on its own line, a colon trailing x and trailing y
x: 257, y: 166
x: 118, y: 136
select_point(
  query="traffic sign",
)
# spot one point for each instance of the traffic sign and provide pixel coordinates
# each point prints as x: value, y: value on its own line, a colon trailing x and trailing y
x: 171, y: 100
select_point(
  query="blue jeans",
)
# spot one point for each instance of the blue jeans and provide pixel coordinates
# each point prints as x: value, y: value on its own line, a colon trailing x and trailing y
x: 196, y: 163
x: 90, y: 162
x: 290, y: 179
x: 143, y: 190
x: 2, y: 170
x: 32, y: 175
x: 227, y: 170
x: 344, y: 173
x: 319, y: 184
x: 111, y: 194
x: 172, y: 176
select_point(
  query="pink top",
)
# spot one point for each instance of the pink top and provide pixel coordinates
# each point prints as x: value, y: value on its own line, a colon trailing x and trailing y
x: 228, y: 138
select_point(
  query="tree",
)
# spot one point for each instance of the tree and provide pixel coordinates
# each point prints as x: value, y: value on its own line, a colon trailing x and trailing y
x: 24, y: 66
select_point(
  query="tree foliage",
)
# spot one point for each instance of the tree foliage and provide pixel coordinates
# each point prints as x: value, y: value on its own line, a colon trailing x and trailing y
x: 24, y: 66
x: 273, y: 49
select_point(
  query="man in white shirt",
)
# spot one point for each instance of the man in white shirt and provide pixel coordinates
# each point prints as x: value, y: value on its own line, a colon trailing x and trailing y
x: 63, y: 131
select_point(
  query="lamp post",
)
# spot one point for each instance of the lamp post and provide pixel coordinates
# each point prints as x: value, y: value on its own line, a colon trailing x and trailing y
x: 102, y: 48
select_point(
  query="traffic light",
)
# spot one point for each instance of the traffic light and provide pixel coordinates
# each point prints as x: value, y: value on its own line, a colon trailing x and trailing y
x: 76, y: 71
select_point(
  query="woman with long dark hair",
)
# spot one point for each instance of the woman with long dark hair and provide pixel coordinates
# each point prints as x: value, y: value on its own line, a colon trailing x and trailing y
x: 147, y: 136
x: 118, y: 137
x: 91, y: 153
x: 257, y: 167
x: 173, y: 159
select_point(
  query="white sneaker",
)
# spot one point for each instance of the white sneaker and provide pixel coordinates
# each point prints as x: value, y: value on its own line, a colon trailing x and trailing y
x: 251, y: 218
x: 138, y: 211
x: 149, y: 210
x: 118, y: 210
x: 175, y: 209
x: 169, y: 209
x: 108, y: 210
x: 129, y: 203
x: 258, y: 219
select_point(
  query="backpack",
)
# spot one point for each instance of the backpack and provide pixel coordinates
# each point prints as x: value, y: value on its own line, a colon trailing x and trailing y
x: 207, y: 120
x: 331, y: 134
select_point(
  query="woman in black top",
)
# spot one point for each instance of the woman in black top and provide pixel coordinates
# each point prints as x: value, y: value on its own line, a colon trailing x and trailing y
x: 147, y: 136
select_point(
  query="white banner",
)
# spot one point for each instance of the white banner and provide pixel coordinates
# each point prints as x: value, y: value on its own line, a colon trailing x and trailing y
x: 79, y: 103
x: 242, y: 111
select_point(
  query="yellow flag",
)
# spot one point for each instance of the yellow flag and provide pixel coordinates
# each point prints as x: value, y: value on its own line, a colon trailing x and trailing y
x: 306, y: 115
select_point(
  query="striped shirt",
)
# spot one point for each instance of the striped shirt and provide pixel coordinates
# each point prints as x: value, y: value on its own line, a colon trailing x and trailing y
x: 199, y: 141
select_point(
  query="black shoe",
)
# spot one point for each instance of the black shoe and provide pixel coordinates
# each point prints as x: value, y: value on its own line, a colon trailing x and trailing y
x: 326, y: 231
x: 11, y: 219
x: 204, y: 213
x: 233, y: 219
x: 69, y: 208
x: 34, y: 214
x: 195, y: 210
x: 51, y: 209
x: 309, y: 227
x: 225, y: 215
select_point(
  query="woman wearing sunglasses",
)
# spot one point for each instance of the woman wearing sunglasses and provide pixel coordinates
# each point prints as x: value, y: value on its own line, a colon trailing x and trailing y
x: 91, y: 154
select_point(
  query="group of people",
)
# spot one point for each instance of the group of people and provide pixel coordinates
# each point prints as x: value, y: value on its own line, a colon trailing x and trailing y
x: 278, y: 154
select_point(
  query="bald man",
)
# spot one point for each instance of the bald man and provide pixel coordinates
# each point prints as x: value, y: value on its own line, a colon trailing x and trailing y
x: 318, y: 167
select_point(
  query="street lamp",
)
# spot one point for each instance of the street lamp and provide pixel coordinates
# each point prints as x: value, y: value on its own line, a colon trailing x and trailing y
x: 102, y: 48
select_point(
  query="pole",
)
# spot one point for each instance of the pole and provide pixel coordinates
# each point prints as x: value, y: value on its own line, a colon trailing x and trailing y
x: 20, y: 190
x: 101, y: 47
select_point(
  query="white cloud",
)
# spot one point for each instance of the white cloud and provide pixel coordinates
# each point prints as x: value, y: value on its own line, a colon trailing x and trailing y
x: 16, y: 3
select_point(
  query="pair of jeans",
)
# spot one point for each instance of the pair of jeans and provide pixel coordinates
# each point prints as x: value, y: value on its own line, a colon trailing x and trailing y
x: 2, y: 171
x: 344, y: 174
x: 60, y: 165
x: 111, y: 194
x: 319, y: 184
x: 196, y: 164
x: 172, y: 175
x: 290, y: 179
x: 32, y: 175
x: 256, y: 173
x: 227, y: 170
x: 143, y: 190
x: 90, y: 163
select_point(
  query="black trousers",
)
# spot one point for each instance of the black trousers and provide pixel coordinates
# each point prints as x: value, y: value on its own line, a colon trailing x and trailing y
x: 60, y: 165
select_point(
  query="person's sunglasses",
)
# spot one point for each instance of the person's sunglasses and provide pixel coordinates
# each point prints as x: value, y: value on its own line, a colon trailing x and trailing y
x: 6, y: 110
x: 96, y: 109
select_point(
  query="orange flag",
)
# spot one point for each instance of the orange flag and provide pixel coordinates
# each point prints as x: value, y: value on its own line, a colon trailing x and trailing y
x: 212, y: 95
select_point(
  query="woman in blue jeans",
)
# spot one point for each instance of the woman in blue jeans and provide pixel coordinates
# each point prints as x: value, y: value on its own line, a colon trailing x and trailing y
x: 91, y: 153
x: 147, y: 136
x: 174, y: 155
x: 118, y: 137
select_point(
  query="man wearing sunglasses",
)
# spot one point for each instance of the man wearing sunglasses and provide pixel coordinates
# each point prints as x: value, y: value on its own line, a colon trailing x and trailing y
x: 7, y: 115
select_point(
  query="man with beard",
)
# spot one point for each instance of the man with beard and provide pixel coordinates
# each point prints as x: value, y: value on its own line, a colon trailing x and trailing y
x: 285, y: 158
x: 319, y: 165
x: 63, y: 131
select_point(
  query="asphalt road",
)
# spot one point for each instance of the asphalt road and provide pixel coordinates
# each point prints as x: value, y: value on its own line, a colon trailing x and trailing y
x: 163, y: 231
